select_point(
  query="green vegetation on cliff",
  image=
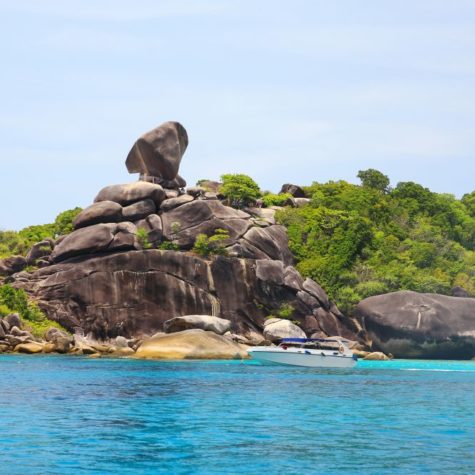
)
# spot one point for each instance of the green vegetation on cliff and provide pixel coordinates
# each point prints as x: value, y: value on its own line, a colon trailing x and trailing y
x: 355, y: 240
x: 239, y: 189
x: 368, y: 239
x: 16, y: 301
x: 19, y: 243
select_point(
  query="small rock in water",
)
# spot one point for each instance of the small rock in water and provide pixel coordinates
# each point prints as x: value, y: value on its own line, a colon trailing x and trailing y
x: 376, y: 356
x: 29, y: 348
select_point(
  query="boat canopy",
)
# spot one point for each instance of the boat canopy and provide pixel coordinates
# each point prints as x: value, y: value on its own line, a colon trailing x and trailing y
x: 308, y: 340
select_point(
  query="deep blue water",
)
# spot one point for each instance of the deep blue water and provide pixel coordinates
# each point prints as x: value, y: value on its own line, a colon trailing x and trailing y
x: 69, y: 415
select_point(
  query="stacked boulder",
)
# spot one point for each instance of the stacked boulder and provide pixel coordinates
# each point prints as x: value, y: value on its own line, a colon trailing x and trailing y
x: 127, y: 268
x: 119, y: 211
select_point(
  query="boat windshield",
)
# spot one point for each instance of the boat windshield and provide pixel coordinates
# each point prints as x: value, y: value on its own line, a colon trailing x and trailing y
x: 313, y: 345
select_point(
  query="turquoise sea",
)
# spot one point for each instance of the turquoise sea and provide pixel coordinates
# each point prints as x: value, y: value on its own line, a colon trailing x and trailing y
x: 70, y: 415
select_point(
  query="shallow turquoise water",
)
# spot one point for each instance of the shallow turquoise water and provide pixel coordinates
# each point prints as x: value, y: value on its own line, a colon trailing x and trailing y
x: 65, y: 415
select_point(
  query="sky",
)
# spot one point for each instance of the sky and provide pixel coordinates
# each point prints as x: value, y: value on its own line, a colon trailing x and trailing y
x: 286, y: 92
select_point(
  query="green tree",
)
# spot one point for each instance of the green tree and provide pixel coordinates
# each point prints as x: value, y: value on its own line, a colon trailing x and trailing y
x: 239, y: 189
x: 372, y: 178
x: 469, y: 202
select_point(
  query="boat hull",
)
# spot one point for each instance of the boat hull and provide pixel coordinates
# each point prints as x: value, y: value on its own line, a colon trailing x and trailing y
x: 307, y: 359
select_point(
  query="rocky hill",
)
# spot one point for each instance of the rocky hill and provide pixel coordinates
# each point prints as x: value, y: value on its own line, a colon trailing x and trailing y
x: 129, y: 264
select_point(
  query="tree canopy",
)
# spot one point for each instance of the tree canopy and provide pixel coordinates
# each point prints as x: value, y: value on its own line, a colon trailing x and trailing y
x: 363, y: 240
x: 372, y: 178
x: 239, y: 189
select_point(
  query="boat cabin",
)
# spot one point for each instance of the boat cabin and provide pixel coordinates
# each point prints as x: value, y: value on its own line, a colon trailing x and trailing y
x: 313, y: 344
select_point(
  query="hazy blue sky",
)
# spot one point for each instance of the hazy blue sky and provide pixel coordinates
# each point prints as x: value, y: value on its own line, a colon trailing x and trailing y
x: 283, y: 91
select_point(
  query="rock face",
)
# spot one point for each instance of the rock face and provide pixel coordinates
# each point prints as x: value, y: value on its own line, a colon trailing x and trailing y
x: 190, y: 344
x: 11, y: 265
x: 133, y: 293
x: 40, y: 250
x: 158, y: 152
x: 413, y: 325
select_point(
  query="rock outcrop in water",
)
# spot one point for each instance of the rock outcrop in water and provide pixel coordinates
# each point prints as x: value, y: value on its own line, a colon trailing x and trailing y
x: 106, y: 280
x: 412, y: 325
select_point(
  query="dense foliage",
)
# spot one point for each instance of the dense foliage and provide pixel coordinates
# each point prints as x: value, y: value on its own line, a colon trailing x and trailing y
x: 271, y: 199
x: 16, y: 300
x: 363, y: 240
x: 239, y: 189
x: 19, y: 243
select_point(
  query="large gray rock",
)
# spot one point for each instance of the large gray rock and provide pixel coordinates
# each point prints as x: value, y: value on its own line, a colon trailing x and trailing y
x: 12, y: 265
x: 270, y: 271
x: 96, y: 238
x: 195, y: 191
x: 275, y: 329
x: 295, y: 190
x: 316, y: 291
x: 12, y: 320
x: 153, y: 226
x: 172, y: 203
x: 177, y: 183
x: 40, y: 250
x: 183, y: 224
x: 310, y: 301
x: 292, y: 278
x: 210, y: 185
x: 272, y: 241
x: 131, y: 193
x: 139, y: 210
x: 159, y: 151
x: 203, y: 322
x: 102, y: 212
x: 266, y: 215
x: 412, y: 325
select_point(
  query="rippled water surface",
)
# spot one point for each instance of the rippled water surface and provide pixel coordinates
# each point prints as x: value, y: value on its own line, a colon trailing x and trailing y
x: 65, y: 415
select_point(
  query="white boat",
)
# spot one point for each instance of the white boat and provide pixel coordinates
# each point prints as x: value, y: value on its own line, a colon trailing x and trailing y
x: 310, y: 352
